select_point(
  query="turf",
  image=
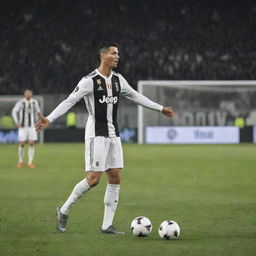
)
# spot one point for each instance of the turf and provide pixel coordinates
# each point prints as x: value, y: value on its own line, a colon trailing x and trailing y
x: 208, y: 189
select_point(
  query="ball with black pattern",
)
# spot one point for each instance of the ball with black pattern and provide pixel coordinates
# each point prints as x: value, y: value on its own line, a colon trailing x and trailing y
x: 141, y: 226
x: 169, y: 230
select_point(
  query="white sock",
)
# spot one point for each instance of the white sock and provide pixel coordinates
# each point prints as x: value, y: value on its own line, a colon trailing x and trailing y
x: 110, y: 201
x: 77, y: 192
x: 20, y: 154
x: 31, y: 153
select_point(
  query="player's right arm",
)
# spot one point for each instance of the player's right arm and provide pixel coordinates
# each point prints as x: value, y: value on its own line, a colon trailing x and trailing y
x: 15, y: 112
x: 84, y: 87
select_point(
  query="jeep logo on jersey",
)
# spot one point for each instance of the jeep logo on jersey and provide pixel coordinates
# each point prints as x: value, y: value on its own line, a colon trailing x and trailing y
x: 108, y: 99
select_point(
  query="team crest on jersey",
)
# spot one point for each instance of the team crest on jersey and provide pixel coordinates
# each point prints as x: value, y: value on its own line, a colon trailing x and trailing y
x: 98, y: 81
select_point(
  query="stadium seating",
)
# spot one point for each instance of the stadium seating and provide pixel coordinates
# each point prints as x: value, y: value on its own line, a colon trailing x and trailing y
x: 49, y: 45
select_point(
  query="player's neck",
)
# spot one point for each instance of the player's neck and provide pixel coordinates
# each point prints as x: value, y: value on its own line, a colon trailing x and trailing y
x: 104, y: 70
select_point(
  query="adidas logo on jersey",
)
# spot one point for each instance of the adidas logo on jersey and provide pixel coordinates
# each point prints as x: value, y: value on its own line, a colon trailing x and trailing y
x: 100, y: 88
x: 108, y: 99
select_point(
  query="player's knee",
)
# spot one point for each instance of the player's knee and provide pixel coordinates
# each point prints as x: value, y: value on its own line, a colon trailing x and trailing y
x: 114, y: 178
x: 93, y: 179
x: 94, y: 182
x: 22, y: 144
x: 31, y: 143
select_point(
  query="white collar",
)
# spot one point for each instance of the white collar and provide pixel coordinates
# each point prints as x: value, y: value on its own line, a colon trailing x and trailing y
x: 98, y: 72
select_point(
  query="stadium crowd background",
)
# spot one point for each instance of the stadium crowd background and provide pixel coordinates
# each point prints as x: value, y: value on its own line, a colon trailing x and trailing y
x: 49, y: 45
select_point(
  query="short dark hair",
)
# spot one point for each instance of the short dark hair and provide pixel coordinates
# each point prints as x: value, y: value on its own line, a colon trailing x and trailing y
x: 27, y: 89
x: 105, y: 45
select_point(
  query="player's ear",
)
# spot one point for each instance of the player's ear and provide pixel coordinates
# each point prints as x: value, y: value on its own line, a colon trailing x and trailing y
x: 102, y: 55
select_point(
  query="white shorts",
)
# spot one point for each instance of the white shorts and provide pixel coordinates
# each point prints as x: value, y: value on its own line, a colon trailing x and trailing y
x: 103, y: 153
x: 27, y: 133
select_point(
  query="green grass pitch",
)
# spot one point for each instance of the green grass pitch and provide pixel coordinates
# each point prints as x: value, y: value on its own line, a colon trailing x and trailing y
x: 210, y: 190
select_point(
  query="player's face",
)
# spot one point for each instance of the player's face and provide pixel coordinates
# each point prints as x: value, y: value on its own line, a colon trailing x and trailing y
x: 111, y: 57
x: 28, y: 94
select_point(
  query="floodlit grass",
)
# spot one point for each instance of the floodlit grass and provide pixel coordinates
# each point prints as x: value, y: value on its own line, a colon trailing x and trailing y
x: 210, y: 190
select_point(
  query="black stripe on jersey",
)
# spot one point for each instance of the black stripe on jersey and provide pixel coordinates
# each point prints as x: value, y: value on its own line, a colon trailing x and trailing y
x: 101, y: 122
x: 116, y: 88
x: 34, y: 112
x: 23, y: 115
x: 29, y: 115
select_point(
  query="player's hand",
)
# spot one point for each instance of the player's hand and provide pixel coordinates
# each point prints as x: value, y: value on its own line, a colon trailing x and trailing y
x: 18, y: 125
x: 42, y: 123
x: 168, y: 111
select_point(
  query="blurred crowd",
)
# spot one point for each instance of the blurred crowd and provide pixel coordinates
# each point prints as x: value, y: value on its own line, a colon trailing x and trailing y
x: 49, y: 45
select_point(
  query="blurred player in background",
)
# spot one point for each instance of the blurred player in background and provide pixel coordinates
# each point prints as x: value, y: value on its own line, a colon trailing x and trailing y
x: 24, y: 114
x: 101, y: 90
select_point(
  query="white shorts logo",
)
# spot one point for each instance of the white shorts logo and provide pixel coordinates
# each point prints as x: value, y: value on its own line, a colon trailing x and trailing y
x: 108, y: 99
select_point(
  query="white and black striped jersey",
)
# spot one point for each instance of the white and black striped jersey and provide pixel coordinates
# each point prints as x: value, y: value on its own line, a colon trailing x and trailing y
x: 24, y: 112
x: 101, y: 95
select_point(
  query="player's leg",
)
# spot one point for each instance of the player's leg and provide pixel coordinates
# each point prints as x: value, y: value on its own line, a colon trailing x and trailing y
x: 111, y: 201
x: 22, y: 139
x: 91, y: 180
x: 31, y: 153
x: 95, y: 164
x: 21, y: 153
x: 32, y: 137
x: 115, y: 162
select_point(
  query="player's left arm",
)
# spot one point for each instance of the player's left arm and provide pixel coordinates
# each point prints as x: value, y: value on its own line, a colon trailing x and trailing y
x: 43, y: 123
x: 37, y: 109
x: 168, y: 111
x: 128, y: 92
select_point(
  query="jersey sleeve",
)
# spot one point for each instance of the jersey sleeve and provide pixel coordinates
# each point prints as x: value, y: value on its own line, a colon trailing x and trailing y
x: 128, y: 92
x: 84, y: 87
x: 15, y: 111
x: 37, y: 107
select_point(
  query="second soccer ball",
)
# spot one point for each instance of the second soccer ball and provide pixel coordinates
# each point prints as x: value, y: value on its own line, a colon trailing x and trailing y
x: 169, y: 230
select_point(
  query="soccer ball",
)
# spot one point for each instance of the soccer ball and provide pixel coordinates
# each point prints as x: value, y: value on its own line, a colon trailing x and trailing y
x: 169, y: 230
x: 141, y: 226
